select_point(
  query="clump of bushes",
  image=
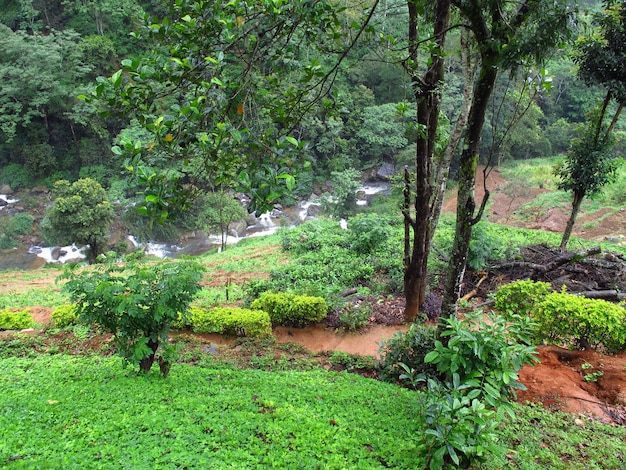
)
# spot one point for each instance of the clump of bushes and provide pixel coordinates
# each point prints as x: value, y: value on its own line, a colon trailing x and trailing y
x: 64, y: 315
x: 232, y: 321
x: 290, y: 309
x: 565, y: 318
x: 15, y: 320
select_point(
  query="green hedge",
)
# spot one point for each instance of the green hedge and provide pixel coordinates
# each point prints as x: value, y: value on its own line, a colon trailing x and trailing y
x: 520, y: 297
x: 15, y: 320
x: 233, y: 321
x: 290, y: 309
x: 563, y: 318
x: 64, y: 315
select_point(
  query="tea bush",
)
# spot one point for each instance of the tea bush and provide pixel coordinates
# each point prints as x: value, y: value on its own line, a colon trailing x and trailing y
x: 15, y: 320
x: 233, y: 321
x: 520, y: 297
x: 290, y: 309
x: 368, y: 233
x: 564, y: 318
x: 64, y: 315
x: 568, y: 318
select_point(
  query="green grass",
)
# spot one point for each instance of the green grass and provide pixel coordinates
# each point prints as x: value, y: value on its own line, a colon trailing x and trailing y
x: 60, y: 411
x: 535, y: 172
x: 45, y: 297
x: 77, y: 412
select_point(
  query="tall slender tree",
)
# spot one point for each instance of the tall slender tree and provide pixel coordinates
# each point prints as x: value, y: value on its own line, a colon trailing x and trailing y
x: 507, y: 36
x: 601, y: 58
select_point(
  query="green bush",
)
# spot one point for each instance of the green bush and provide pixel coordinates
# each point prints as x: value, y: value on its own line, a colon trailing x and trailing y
x: 567, y: 318
x: 520, y: 297
x: 64, y: 315
x: 16, y: 176
x: 368, y: 232
x: 137, y: 302
x: 234, y: 321
x: 408, y: 348
x: 15, y: 320
x: 290, y: 309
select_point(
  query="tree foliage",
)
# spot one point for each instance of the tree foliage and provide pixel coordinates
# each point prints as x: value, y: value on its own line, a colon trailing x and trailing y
x: 136, y: 302
x: 81, y: 214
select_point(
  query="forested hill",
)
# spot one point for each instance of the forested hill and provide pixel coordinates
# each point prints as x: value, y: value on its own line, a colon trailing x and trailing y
x: 52, y: 51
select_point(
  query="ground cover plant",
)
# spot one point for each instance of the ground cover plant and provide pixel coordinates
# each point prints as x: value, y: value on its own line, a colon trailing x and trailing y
x: 63, y: 411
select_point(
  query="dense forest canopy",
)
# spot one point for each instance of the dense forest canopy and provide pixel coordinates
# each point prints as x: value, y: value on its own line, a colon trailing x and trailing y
x: 52, y: 51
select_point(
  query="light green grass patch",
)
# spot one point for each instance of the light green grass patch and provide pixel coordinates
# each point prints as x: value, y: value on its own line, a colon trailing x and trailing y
x: 68, y: 412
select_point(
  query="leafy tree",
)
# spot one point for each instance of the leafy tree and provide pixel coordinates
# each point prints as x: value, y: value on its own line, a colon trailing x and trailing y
x: 137, y: 303
x: 225, y: 85
x: 342, y: 202
x: 590, y: 165
x: 507, y: 36
x: 81, y: 214
x: 220, y: 210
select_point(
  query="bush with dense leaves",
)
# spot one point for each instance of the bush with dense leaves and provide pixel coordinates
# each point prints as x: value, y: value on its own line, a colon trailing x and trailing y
x: 520, y: 297
x: 15, y: 320
x: 290, y: 309
x: 572, y: 319
x: 64, y: 315
x: 231, y: 321
x: 136, y: 302
x: 563, y: 318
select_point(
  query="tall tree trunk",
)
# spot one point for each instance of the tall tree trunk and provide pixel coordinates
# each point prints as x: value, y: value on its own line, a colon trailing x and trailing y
x: 576, y: 203
x: 466, y: 204
x: 428, y: 98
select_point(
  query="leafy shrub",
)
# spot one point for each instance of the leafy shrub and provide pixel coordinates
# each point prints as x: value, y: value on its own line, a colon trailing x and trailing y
x: 235, y: 321
x: 137, y: 303
x: 520, y: 297
x: 485, y: 354
x: 351, y: 361
x: 477, y: 372
x: 353, y: 317
x: 16, y: 176
x: 408, y: 348
x: 563, y: 317
x: 13, y: 227
x: 15, y: 320
x: 64, y: 315
x: 368, y: 232
x: 290, y: 309
x: 313, y: 236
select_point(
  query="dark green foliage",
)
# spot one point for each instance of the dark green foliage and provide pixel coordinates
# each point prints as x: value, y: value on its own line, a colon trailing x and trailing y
x: 15, y: 175
x: 64, y: 315
x: 18, y: 320
x: 81, y: 214
x: 137, y: 303
x: 290, y: 309
x: 408, y: 348
x: 231, y: 321
x: 14, y: 226
x: 367, y: 233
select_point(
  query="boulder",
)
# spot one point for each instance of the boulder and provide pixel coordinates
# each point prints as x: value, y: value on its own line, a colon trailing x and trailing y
x: 6, y: 189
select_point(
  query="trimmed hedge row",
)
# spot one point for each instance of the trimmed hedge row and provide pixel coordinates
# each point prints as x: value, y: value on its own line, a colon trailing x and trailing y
x: 231, y: 321
x: 565, y: 318
x: 291, y: 310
